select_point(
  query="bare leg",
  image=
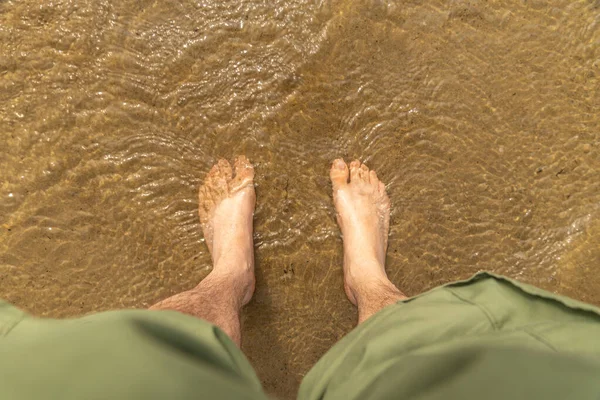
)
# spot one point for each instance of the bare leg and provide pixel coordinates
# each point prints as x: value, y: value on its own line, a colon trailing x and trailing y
x: 363, y: 214
x: 226, y: 209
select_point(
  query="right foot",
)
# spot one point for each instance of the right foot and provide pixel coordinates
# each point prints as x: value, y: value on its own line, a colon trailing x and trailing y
x: 226, y: 210
x: 363, y: 214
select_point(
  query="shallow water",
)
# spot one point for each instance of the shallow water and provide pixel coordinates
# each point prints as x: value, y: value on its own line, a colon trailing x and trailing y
x: 481, y: 116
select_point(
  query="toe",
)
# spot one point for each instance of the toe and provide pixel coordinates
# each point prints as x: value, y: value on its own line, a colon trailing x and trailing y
x: 219, y: 188
x: 381, y: 188
x: 224, y: 169
x: 373, y: 179
x: 243, y: 167
x: 244, y: 173
x: 203, y: 203
x: 338, y: 173
x: 214, y: 171
x: 354, y: 170
x: 363, y: 174
x: 216, y: 182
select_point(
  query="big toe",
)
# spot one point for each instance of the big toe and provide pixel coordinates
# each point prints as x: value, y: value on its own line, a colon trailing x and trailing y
x: 338, y: 173
x: 244, y: 173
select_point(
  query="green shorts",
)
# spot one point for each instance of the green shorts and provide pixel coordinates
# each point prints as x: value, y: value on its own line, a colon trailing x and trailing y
x: 487, y: 337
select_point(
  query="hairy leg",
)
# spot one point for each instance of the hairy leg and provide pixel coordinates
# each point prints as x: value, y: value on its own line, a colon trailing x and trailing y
x: 363, y: 214
x: 226, y: 208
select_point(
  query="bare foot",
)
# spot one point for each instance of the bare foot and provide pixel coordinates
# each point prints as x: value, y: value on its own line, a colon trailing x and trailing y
x: 363, y: 214
x: 226, y: 210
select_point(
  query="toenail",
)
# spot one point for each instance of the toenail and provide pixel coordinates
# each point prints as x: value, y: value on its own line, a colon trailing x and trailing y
x: 339, y: 164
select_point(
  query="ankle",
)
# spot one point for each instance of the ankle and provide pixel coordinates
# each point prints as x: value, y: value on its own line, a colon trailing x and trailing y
x: 364, y: 283
x: 363, y: 279
x: 372, y: 295
x: 237, y: 284
x: 234, y: 259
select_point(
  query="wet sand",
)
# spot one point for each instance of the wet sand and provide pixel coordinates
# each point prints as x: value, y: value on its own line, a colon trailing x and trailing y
x: 481, y: 117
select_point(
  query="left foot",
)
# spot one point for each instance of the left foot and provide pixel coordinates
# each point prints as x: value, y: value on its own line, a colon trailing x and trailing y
x: 226, y: 209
